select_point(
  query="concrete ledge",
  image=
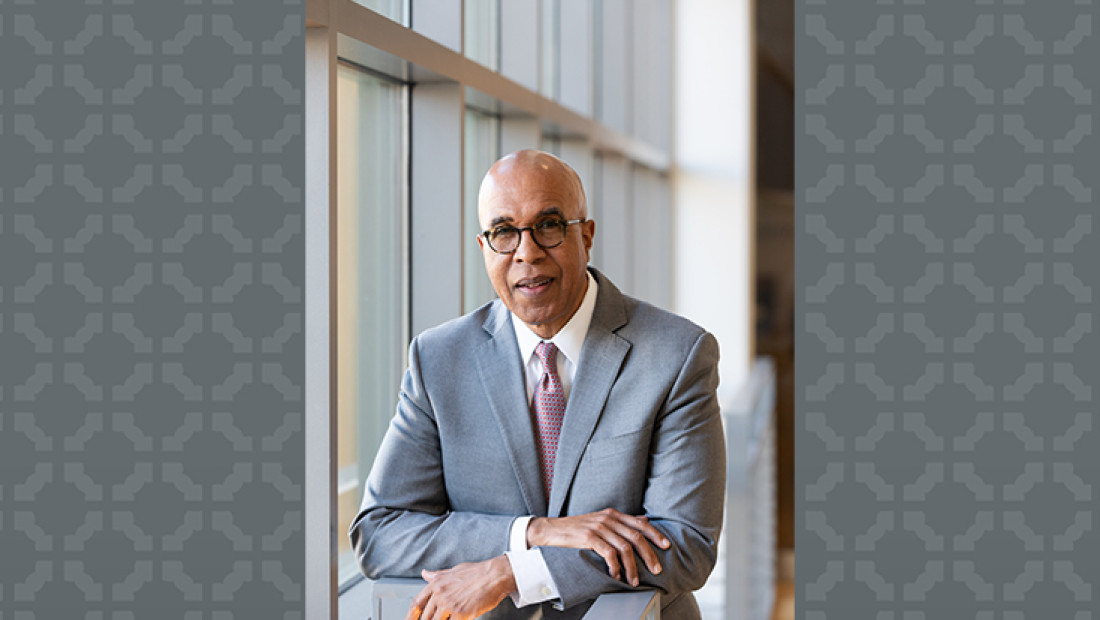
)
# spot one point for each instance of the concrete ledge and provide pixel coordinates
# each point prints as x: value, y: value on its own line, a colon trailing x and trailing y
x: 625, y: 606
x: 391, y: 596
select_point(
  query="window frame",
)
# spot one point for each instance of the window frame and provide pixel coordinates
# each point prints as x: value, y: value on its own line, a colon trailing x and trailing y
x: 364, y: 441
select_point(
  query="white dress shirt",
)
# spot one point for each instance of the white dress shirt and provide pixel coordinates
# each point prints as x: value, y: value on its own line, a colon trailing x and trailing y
x: 534, y: 584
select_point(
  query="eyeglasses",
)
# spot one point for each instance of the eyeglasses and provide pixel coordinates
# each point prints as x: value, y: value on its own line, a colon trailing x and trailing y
x: 547, y: 234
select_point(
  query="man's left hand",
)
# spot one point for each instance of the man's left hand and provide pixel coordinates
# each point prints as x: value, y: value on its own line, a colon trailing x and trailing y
x: 465, y: 591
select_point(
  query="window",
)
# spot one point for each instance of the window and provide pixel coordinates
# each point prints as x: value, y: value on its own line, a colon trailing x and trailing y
x: 393, y: 9
x: 608, y: 199
x: 652, y: 237
x: 480, y: 150
x: 482, y: 24
x: 371, y: 331
x: 548, y: 83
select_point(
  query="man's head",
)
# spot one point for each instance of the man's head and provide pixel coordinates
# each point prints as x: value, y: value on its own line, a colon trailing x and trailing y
x: 543, y: 286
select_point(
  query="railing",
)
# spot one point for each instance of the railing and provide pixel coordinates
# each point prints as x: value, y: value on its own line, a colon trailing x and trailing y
x: 749, y: 537
x: 391, y: 598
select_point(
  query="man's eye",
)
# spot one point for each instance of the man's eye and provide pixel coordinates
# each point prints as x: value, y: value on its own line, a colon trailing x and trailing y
x: 548, y: 224
x: 503, y: 231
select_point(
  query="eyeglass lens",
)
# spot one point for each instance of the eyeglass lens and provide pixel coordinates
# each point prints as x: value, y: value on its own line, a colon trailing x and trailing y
x: 547, y: 234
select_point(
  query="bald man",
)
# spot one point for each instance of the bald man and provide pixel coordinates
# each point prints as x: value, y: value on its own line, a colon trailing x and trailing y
x: 557, y: 443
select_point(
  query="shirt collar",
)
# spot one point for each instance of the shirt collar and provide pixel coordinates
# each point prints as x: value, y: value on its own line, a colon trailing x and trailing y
x: 569, y: 339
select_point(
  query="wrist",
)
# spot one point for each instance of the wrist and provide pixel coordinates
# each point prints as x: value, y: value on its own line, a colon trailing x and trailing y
x: 506, y: 579
x: 534, y: 529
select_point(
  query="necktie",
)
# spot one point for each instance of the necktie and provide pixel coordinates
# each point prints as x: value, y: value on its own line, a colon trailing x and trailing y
x: 549, y: 408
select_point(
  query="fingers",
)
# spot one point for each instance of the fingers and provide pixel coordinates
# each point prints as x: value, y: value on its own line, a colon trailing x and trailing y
x: 647, y: 529
x: 614, y: 542
x: 636, y: 542
x: 652, y: 533
x: 642, y: 525
x: 425, y: 606
x: 418, y: 604
x: 414, y: 612
x: 634, y: 535
x: 609, y: 554
x: 429, y: 610
x: 626, y: 557
x: 617, y: 537
x: 464, y: 591
x: 432, y: 612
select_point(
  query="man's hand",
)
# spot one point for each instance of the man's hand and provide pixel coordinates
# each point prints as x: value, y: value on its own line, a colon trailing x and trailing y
x: 614, y: 535
x: 465, y: 591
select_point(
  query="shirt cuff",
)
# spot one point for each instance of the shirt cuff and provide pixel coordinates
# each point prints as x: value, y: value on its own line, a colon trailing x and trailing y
x: 533, y: 581
x: 517, y: 539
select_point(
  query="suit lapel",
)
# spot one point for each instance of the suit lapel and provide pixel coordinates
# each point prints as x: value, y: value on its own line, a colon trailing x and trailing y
x: 502, y: 379
x: 601, y: 359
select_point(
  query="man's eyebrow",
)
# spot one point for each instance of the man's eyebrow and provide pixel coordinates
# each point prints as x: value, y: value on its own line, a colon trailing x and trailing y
x: 547, y: 212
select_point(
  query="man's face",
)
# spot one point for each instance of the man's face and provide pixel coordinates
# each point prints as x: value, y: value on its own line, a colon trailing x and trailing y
x: 543, y: 287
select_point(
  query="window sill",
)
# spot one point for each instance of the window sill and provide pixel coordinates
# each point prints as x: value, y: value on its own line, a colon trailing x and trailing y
x: 355, y: 601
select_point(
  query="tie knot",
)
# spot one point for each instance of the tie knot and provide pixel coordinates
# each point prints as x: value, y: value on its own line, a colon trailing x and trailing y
x: 547, y: 353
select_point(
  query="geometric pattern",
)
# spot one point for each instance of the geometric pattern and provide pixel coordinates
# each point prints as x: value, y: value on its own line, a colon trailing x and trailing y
x: 946, y: 339
x: 151, y: 310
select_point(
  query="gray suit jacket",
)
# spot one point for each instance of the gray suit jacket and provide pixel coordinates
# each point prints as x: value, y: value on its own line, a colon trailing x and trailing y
x: 642, y: 434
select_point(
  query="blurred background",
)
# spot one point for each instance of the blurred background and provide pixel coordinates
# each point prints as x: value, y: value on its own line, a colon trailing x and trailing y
x: 775, y: 258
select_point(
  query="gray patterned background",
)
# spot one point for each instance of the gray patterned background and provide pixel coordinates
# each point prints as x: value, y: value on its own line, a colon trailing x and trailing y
x: 946, y: 271
x: 151, y: 311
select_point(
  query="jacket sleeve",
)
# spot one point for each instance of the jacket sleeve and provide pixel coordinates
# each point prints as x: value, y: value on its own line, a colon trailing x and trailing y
x: 404, y: 524
x: 684, y: 493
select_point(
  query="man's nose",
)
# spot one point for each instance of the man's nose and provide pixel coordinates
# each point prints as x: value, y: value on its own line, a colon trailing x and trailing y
x: 528, y: 250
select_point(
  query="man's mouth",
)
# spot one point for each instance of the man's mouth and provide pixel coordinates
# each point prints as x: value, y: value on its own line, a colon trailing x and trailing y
x: 536, y: 284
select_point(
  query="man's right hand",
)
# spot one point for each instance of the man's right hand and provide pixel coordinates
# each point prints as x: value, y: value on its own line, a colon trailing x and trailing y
x: 615, y: 536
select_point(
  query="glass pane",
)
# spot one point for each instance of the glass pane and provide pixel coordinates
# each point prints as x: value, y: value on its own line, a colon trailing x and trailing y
x: 483, y: 32
x: 612, y: 245
x: 612, y: 61
x: 393, y: 9
x: 548, y: 84
x: 652, y: 253
x: 370, y: 290
x: 480, y: 151
x: 550, y: 144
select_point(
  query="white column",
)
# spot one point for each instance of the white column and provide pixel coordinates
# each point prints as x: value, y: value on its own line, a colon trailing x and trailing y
x: 320, y: 422
x: 436, y: 199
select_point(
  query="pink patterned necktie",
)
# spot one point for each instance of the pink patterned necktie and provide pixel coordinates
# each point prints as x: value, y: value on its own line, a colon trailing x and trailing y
x: 549, y: 408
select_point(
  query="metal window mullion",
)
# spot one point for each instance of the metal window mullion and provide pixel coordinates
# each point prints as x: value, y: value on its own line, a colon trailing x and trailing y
x: 320, y: 389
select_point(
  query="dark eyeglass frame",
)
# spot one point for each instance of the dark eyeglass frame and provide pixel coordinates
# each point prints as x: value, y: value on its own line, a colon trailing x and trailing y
x: 519, y: 231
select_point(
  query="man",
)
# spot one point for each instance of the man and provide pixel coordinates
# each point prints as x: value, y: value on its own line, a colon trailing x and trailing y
x: 560, y: 442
